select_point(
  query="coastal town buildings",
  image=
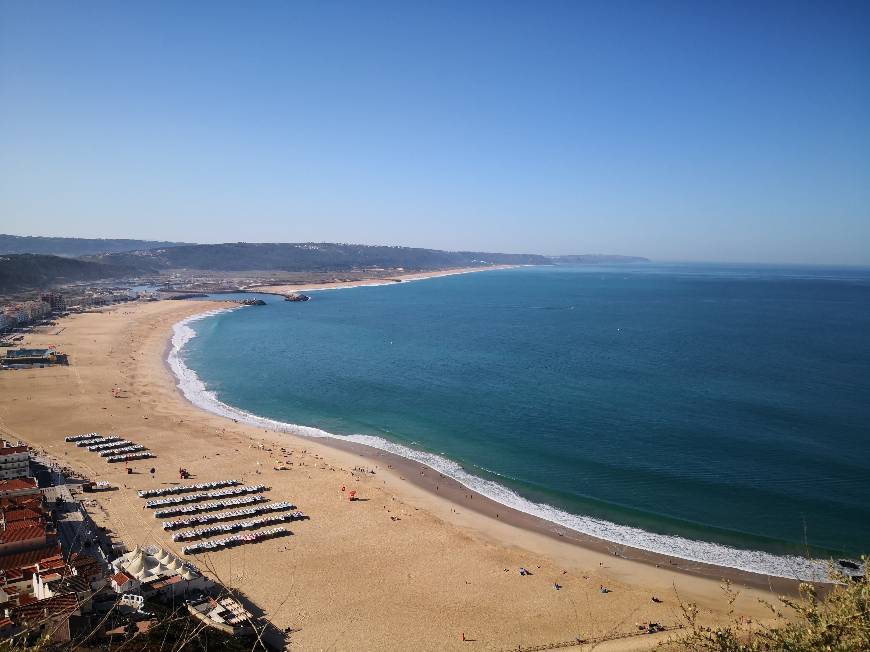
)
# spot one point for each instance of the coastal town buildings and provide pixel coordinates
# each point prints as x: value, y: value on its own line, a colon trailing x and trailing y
x: 25, y: 519
x: 55, y: 300
x: 29, y: 311
x: 18, y: 487
x: 81, y: 574
x: 14, y: 460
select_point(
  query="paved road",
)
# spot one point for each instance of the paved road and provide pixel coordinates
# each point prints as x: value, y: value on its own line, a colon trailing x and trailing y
x: 75, y: 526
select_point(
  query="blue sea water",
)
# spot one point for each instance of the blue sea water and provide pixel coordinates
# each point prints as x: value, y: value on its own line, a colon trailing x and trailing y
x: 722, y: 404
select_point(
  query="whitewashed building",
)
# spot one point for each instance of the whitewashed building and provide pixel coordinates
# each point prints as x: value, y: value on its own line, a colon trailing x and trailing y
x: 14, y: 461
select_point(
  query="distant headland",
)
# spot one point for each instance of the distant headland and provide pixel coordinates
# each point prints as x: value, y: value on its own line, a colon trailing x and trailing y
x: 37, y: 263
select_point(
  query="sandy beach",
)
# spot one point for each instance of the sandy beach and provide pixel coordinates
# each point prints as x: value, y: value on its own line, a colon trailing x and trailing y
x: 381, y: 280
x: 404, y: 568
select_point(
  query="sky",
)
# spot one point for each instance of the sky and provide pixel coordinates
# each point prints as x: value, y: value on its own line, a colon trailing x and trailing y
x: 733, y: 131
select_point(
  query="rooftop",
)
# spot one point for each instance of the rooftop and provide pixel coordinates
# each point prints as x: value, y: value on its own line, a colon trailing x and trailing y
x: 18, y: 534
x: 18, y: 560
x: 58, y: 605
x: 20, y: 514
x: 8, y: 449
x: 29, y: 353
x: 18, y: 484
x: 153, y: 563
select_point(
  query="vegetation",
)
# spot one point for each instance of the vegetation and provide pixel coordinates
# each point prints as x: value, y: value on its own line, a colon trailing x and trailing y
x: 311, y: 257
x: 111, y: 259
x: 16, y: 244
x: 838, y: 622
x: 172, y: 629
x: 25, y: 271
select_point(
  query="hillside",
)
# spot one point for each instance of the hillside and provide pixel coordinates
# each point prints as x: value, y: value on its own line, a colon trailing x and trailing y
x: 16, y: 244
x: 35, y: 271
x: 310, y: 256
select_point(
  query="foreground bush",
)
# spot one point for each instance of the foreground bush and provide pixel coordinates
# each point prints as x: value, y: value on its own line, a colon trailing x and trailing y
x: 837, y: 622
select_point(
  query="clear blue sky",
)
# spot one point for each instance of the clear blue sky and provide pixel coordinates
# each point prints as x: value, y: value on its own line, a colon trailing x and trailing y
x: 734, y: 131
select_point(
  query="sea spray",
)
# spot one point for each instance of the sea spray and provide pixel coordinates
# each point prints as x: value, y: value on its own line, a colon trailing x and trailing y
x: 786, y: 566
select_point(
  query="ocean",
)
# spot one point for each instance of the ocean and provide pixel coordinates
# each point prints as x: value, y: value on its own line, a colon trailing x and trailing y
x: 719, y: 413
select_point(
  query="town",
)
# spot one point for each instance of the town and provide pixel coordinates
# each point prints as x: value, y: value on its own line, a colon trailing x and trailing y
x: 66, y: 580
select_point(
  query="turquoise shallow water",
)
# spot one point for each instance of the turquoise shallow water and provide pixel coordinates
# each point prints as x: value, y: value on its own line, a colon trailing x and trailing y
x: 719, y: 403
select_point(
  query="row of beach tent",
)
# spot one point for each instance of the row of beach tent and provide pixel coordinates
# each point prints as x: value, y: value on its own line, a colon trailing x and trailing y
x: 204, y: 495
x: 112, y: 448
x: 105, y: 445
x: 71, y: 439
x: 235, y: 540
x: 178, y: 510
x: 132, y: 448
x: 128, y: 457
x: 93, y: 441
x: 202, y: 519
x: 184, y: 488
x: 224, y: 528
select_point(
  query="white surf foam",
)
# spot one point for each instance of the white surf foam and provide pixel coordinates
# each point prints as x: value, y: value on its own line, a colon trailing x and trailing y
x: 619, y: 535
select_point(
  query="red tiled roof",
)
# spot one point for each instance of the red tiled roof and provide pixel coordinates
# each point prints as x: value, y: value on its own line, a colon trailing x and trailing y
x: 21, y: 513
x: 121, y: 578
x: 5, y: 622
x: 85, y: 565
x: 76, y: 583
x: 11, y: 450
x: 16, y: 484
x: 18, y: 560
x: 19, y: 534
x: 81, y: 558
x: 58, y: 605
x: 29, y: 522
x: 55, y: 561
x: 13, y: 575
x: 30, y: 501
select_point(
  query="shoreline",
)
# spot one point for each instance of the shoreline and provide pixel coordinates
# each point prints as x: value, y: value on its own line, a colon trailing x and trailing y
x: 290, y: 288
x: 447, y: 489
x: 430, y: 478
x: 401, y: 568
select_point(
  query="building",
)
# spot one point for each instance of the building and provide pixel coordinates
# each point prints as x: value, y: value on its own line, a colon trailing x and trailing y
x: 15, y: 487
x: 54, y: 576
x: 154, y: 571
x: 55, y: 300
x: 30, y: 356
x: 25, y: 521
x: 14, y: 461
x: 51, y: 616
x: 28, y: 311
x: 26, y: 535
